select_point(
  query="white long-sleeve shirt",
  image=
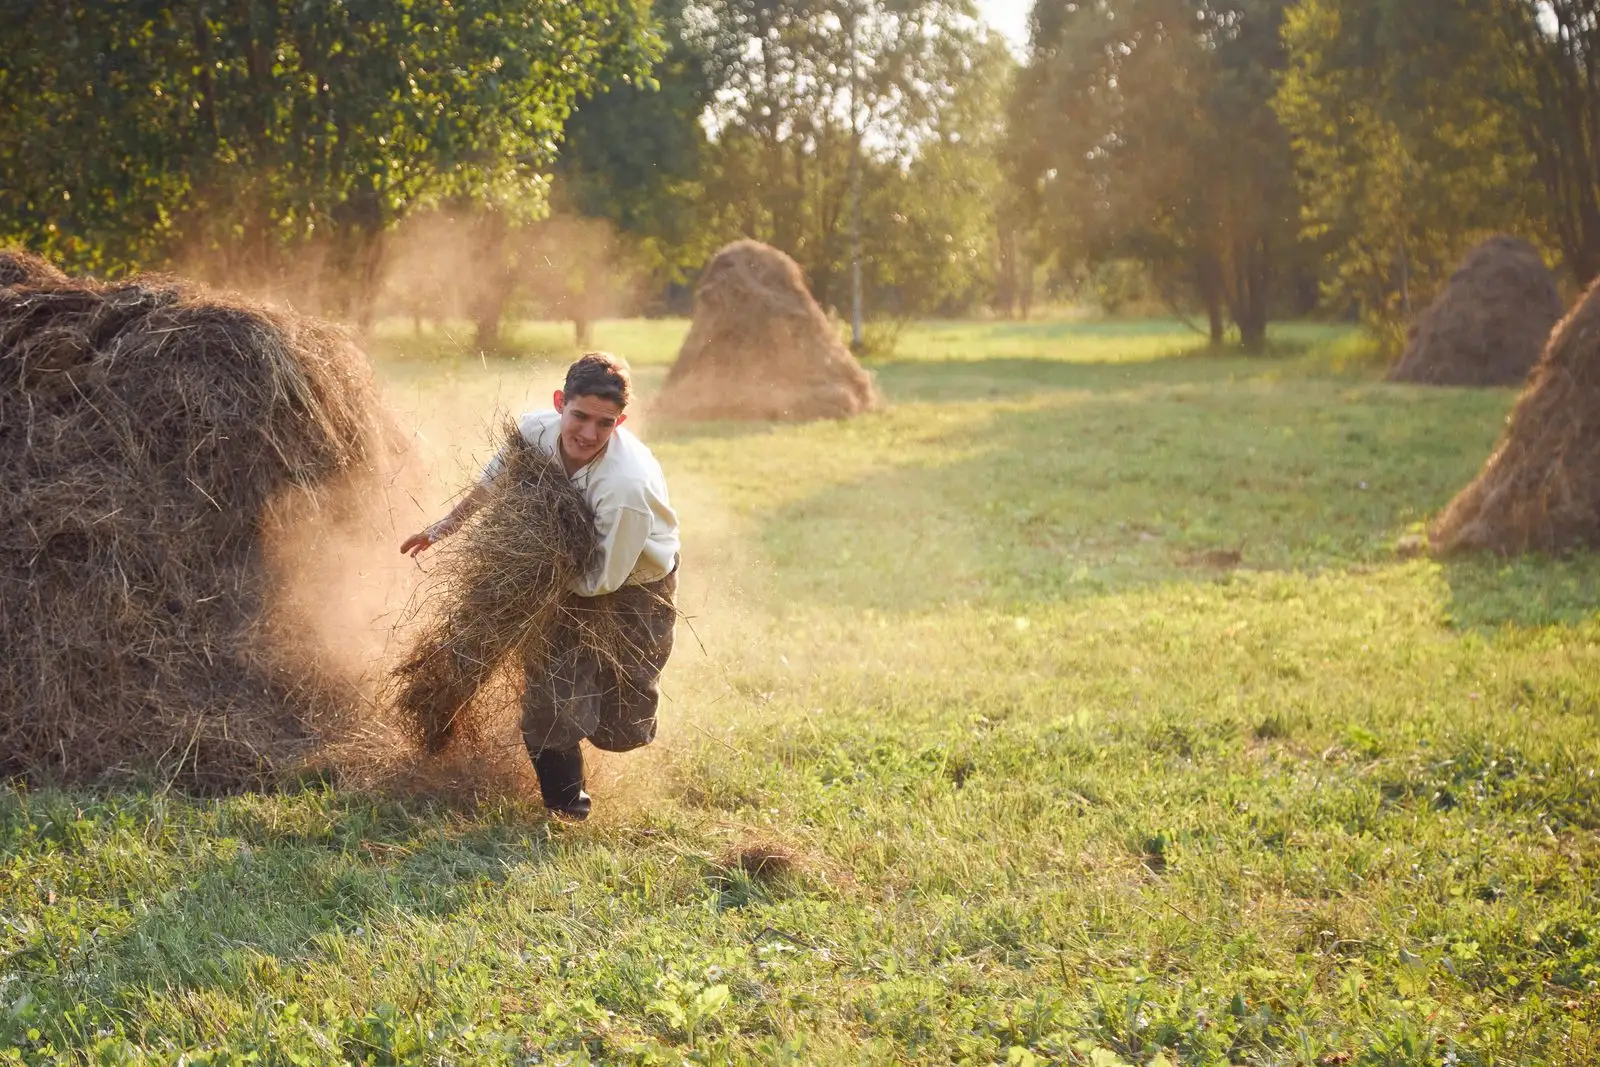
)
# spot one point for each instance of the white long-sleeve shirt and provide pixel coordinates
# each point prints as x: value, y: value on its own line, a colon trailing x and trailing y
x: 625, y: 487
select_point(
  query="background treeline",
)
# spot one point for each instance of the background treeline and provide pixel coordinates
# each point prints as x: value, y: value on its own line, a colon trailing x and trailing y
x: 1237, y: 160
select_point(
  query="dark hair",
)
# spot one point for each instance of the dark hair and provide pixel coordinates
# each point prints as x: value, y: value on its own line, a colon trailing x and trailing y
x: 599, y: 374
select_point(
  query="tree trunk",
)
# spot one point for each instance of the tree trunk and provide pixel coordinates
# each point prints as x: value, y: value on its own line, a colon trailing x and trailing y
x: 490, y: 309
x: 586, y: 302
x: 1005, y: 274
x: 369, y: 281
x: 497, y: 282
x: 1209, y: 287
x: 1405, y: 279
x: 1254, y: 289
x: 353, y: 270
x: 1025, y: 284
x: 1253, y: 329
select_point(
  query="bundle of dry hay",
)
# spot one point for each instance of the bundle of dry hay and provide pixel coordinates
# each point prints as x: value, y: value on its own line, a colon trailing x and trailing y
x: 761, y: 348
x: 1540, y: 490
x: 18, y: 267
x: 501, y: 590
x: 1490, y: 323
x: 149, y: 430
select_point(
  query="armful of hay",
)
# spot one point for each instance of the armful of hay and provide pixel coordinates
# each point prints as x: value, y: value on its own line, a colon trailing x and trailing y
x: 498, y: 593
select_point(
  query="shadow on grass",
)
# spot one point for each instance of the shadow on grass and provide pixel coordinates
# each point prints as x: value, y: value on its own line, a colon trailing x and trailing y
x: 912, y: 381
x: 1129, y: 475
x: 906, y: 381
x: 1488, y: 593
x: 290, y: 872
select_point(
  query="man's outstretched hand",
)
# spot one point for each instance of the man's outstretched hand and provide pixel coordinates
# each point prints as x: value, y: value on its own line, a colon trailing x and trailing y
x: 416, y: 544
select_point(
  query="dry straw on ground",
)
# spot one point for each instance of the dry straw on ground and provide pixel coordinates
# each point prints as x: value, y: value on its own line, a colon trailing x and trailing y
x: 501, y: 590
x: 1490, y: 323
x: 763, y: 859
x: 1540, y: 490
x: 149, y: 433
x: 761, y: 348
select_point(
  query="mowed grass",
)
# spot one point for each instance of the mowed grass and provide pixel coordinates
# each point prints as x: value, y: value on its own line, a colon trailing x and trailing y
x: 1075, y: 709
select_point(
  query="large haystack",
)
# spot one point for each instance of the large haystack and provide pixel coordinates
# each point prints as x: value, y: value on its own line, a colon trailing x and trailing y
x: 1490, y: 323
x: 1540, y: 490
x: 761, y: 348
x: 149, y: 433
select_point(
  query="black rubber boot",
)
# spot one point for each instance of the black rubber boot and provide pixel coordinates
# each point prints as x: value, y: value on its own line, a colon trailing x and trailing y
x: 560, y: 774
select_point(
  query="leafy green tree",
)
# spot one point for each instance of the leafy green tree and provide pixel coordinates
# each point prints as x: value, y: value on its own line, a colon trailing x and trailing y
x: 271, y: 140
x: 635, y: 155
x: 1143, y: 129
x: 1406, y: 130
x: 929, y: 224
x: 814, y: 95
x: 627, y: 198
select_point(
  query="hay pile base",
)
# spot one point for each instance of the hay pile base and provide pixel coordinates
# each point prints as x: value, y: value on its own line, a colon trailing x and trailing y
x: 761, y: 348
x: 1490, y: 323
x: 149, y: 430
x: 1540, y: 490
x: 500, y: 590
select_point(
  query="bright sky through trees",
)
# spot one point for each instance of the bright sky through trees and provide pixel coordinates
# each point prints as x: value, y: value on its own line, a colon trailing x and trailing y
x: 1010, y: 17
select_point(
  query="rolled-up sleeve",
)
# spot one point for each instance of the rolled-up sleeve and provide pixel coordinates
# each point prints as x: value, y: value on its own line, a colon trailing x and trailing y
x: 623, y: 533
x: 493, y: 469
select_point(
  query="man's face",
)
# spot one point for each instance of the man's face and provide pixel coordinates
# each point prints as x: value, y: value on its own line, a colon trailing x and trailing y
x: 587, y: 423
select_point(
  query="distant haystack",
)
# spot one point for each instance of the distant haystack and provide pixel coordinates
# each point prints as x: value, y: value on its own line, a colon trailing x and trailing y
x: 1490, y: 323
x: 1540, y: 490
x: 761, y: 348
x: 150, y: 433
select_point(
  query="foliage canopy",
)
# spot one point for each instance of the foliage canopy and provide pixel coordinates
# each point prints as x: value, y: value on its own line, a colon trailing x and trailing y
x: 249, y: 134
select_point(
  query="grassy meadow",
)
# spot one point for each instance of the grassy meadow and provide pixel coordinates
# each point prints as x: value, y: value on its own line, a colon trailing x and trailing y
x: 1077, y: 708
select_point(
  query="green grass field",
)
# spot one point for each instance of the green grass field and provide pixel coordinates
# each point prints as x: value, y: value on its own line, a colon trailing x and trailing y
x: 1083, y: 686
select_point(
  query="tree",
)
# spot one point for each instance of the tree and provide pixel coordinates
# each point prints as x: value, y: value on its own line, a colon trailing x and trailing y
x: 929, y: 224
x: 809, y: 91
x: 626, y: 199
x: 260, y: 137
x: 1143, y: 129
x: 634, y: 154
x: 1555, y: 47
x: 1403, y: 118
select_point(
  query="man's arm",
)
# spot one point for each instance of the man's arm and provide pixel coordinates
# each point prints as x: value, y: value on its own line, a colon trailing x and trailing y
x: 418, y: 543
x: 623, y: 534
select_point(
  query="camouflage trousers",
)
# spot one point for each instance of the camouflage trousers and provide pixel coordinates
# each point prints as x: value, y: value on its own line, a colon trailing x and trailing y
x: 573, y: 695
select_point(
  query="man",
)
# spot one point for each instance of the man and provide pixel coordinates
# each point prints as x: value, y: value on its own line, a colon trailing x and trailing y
x: 575, y: 696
